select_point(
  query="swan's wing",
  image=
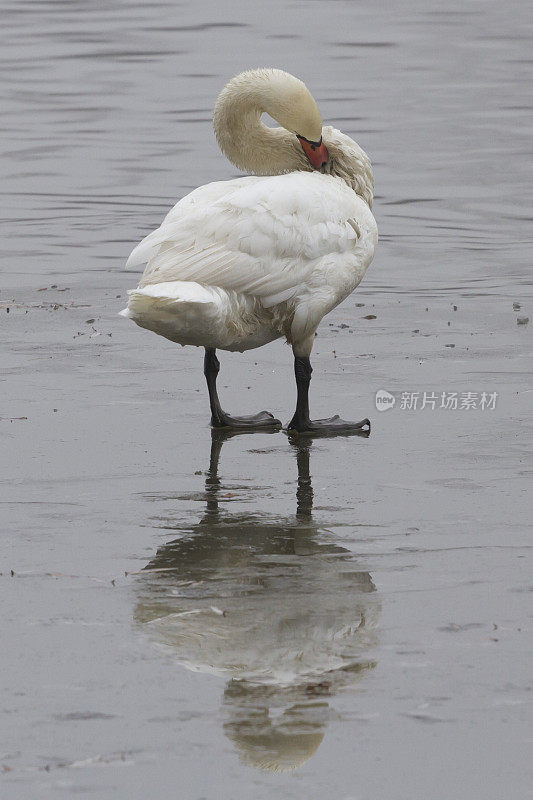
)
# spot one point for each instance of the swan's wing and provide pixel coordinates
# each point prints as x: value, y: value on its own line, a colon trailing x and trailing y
x: 265, y: 237
x: 203, y: 196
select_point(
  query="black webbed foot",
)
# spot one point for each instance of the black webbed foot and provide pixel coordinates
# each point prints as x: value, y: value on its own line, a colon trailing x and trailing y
x: 263, y: 420
x: 334, y: 426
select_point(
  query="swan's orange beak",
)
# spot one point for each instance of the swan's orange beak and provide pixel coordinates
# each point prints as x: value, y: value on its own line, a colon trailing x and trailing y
x: 316, y: 152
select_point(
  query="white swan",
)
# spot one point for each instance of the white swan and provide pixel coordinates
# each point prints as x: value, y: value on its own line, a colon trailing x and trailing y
x: 236, y: 264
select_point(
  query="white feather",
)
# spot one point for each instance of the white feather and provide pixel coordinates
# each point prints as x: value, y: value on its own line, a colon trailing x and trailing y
x: 287, y: 240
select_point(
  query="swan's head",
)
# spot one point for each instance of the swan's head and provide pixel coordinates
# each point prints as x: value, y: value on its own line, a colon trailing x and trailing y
x: 249, y: 144
x: 291, y: 104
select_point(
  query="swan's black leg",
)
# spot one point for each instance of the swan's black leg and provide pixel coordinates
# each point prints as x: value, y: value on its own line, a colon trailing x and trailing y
x: 301, y: 423
x: 219, y: 418
x: 211, y: 370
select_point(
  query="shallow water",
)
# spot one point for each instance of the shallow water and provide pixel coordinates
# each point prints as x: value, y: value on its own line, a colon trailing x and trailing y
x: 253, y: 616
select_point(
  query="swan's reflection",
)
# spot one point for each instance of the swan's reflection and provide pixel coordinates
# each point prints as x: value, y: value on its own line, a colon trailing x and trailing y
x: 275, y: 606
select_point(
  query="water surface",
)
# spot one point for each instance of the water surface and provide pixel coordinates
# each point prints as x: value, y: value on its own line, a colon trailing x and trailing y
x: 194, y: 617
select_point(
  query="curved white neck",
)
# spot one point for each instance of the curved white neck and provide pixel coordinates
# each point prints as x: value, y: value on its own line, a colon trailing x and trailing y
x: 246, y: 141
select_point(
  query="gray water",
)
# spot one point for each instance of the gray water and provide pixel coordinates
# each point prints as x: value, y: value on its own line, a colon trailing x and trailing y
x: 342, y: 618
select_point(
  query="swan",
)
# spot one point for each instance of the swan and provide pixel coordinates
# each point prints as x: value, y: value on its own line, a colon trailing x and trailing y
x: 237, y: 264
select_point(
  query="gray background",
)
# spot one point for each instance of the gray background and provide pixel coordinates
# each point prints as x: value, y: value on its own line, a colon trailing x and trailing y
x: 106, y: 122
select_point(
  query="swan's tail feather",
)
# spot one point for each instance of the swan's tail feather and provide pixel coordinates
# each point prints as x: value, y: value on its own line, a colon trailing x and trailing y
x: 178, y: 292
x: 189, y: 313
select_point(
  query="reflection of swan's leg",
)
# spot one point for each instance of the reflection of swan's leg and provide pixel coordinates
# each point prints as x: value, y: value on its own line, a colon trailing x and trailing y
x: 304, y: 492
x: 219, y: 418
x: 212, y: 481
x: 216, y: 446
x: 301, y: 423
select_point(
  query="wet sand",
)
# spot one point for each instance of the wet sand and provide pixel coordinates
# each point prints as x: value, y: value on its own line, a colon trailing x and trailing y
x: 259, y: 615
